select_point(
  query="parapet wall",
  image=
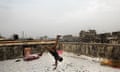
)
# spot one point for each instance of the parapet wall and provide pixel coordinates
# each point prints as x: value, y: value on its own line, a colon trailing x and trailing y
x: 110, y: 51
x: 12, y: 52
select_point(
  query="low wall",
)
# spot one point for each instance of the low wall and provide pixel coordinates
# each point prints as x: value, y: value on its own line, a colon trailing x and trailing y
x: 110, y: 51
x: 12, y: 52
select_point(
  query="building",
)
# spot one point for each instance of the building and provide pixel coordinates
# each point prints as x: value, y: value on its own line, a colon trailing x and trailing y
x: 70, y: 38
x: 87, y: 36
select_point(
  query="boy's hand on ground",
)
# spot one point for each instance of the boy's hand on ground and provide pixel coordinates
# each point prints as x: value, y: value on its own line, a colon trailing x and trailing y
x: 55, y: 68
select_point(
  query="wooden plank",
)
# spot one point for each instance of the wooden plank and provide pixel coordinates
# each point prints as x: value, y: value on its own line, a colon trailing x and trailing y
x: 11, y: 43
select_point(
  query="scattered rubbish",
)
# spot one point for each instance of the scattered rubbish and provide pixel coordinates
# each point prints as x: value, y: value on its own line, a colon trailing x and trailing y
x: 112, y: 63
x: 29, y: 56
x: 18, y: 60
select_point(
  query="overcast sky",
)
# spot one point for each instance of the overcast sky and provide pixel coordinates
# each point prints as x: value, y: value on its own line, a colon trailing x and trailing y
x: 51, y: 17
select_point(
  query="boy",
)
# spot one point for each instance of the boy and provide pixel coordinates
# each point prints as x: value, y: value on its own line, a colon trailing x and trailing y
x: 54, y: 53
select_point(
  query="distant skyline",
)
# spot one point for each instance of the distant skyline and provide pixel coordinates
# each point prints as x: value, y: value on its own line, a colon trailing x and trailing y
x: 51, y: 17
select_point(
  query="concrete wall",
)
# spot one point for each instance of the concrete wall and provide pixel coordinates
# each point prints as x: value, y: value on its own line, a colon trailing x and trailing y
x: 94, y: 49
x: 12, y: 52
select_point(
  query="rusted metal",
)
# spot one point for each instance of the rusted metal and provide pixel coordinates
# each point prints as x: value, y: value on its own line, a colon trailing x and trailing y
x: 27, y: 42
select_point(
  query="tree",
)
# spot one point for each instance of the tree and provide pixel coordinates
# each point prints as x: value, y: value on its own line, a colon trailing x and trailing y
x: 44, y: 37
x: 1, y: 36
x: 15, y: 36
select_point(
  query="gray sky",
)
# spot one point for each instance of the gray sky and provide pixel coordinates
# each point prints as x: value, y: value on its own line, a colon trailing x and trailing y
x: 51, y: 17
